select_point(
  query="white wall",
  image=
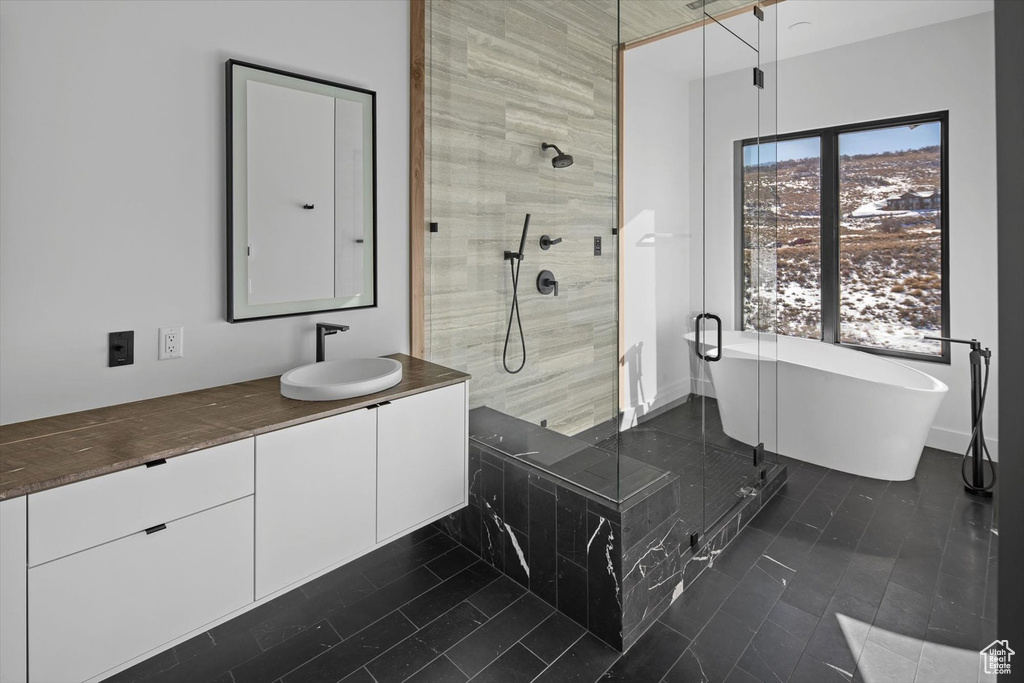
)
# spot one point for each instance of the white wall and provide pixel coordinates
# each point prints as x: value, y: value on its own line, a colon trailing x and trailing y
x: 656, y: 240
x: 953, y: 64
x: 112, y: 190
x: 943, y: 66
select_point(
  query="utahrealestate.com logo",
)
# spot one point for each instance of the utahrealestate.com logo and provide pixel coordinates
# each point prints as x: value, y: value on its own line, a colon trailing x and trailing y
x: 996, y: 657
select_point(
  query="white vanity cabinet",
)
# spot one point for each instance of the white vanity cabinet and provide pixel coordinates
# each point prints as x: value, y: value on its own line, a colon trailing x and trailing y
x: 13, y: 602
x: 101, y: 572
x: 422, y: 444
x: 123, y: 563
x: 315, y: 502
x: 331, y: 489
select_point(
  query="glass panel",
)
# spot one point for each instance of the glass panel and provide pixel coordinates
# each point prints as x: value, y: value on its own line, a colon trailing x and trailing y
x: 729, y: 373
x: 890, y: 237
x: 794, y: 166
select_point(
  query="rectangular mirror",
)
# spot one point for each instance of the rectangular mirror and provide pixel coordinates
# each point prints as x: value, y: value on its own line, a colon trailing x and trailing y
x: 302, y: 194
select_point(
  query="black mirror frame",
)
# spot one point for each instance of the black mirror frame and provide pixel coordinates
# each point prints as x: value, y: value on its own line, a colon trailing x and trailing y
x: 229, y: 177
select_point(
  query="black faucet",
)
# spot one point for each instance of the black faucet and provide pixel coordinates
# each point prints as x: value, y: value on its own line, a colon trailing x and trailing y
x: 322, y: 330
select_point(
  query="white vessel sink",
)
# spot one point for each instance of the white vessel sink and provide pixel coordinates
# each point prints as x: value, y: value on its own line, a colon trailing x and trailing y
x: 335, y: 379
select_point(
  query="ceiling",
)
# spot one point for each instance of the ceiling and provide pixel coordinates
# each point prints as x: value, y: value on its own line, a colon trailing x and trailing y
x: 832, y: 23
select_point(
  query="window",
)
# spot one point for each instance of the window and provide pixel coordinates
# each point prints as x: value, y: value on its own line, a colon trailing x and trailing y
x: 859, y: 235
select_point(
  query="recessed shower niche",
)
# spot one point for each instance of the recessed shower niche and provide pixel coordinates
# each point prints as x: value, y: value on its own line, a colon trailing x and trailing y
x: 602, y: 477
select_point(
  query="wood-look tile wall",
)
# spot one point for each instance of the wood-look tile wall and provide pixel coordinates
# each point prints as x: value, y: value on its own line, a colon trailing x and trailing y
x: 502, y: 77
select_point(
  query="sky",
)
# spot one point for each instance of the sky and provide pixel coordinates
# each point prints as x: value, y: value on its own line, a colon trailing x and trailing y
x: 862, y: 142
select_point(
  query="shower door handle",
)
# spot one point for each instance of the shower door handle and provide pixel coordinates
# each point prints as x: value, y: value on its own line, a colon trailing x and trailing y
x: 700, y: 337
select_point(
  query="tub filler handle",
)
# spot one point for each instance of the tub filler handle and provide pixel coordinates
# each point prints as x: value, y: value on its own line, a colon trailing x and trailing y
x: 700, y: 337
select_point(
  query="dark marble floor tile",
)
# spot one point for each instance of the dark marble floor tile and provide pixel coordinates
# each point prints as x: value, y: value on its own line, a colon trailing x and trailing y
x: 354, y: 652
x: 866, y: 577
x: 699, y: 602
x: 585, y: 661
x: 516, y: 665
x: 492, y: 639
x: 552, y: 637
x: 740, y: 555
x: 754, y: 597
x: 951, y: 625
x: 271, y: 665
x: 801, y: 482
x: 811, y: 670
x: 423, y: 646
x: 650, y: 658
x: 841, y: 633
x: 441, y: 670
x: 395, y: 567
x: 452, y: 562
x: 441, y: 598
x: 720, y: 644
x: 357, y: 676
x: 205, y: 657
x: 808, y: 593
x: 793, y: 543
x: 738, y: 675
x: 496, y: 595
x: 904, y: 611
x: 837, y: 482
x: 357, y: 616
x: 339, y: 586
x: 793, y: 619
x: 818, y: 508
x: 773, y: 654
x: 917, y: 566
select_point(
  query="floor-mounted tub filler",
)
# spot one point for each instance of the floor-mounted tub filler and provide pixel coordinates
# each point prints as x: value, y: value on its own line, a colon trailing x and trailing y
x: 825, y: 404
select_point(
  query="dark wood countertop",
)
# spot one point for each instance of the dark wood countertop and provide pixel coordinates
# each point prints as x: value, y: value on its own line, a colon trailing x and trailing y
x: 42, y: 454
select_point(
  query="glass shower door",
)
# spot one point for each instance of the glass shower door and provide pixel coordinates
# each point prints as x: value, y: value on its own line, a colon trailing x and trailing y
x: 737, y: 273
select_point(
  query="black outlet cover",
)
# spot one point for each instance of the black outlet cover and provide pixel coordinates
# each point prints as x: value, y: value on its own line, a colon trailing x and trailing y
x: 597, y: 245
x: 121, y: 348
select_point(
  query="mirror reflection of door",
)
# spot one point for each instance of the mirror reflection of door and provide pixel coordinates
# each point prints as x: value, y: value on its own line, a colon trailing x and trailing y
x: 291, y: 162
x: 349, y: 241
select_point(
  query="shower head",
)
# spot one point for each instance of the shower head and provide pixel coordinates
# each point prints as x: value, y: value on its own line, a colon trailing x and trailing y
x: 561, y: 160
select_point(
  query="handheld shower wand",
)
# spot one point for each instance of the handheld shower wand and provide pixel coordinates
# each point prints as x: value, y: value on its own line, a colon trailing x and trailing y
x: 977, y: 446
x: 516, y: 261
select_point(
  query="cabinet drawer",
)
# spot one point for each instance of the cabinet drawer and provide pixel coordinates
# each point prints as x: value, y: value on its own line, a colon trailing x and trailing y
x: 87, y: 513
x: 99, y: 608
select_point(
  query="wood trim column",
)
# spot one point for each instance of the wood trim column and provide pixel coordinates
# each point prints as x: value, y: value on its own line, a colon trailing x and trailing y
x: 620, y: 218
x: 417, y: 217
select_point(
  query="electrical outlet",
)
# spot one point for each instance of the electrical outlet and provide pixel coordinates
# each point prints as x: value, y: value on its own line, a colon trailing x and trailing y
x: 170, y: 343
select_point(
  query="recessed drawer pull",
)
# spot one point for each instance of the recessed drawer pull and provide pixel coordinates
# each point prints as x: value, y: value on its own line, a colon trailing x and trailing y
x: 161, y: 461
x: 154, y: 529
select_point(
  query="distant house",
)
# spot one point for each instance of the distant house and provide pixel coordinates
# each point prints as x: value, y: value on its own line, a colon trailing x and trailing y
x: 914, y: 201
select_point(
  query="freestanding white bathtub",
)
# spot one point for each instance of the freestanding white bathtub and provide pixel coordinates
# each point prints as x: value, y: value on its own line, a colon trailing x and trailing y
x: 836, y: 407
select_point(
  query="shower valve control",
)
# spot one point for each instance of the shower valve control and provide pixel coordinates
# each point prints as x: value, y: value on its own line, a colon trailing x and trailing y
x: 597, y: 245
x: 546, y: 282
x: 546, y: 242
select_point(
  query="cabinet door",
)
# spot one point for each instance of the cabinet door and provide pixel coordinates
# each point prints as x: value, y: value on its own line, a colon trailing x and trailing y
x: 422, y: 444
x: 13, y: 595
x: 98, y: 608
x: 314, y: 497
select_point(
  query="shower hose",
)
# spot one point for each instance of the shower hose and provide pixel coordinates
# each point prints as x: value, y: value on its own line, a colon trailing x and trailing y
x: 515, y: 264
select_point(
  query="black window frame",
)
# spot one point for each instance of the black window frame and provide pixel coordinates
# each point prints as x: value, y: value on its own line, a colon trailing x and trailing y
x: 830, y: 219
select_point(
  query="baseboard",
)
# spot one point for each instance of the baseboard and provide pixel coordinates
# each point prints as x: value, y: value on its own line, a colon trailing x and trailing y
x: 956, y: 441
x: 667, y: 398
